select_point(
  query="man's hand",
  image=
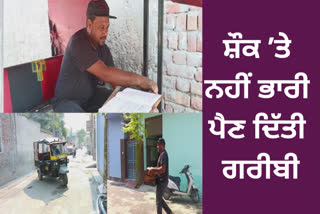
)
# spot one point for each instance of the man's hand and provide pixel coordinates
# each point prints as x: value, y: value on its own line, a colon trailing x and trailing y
x: 117, y: 77
x: 147, y: 83
x: 150, y: 173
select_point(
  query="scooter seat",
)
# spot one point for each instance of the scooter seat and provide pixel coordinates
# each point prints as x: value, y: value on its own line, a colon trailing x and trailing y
x: 176, y: 180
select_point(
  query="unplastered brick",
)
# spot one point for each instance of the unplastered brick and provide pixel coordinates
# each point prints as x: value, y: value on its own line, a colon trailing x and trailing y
x: 196, y: 103
x: 173, y: 40
x: 196, y: 88
x: 192, y: 41
x: 182, y: 44
x: 171, y: 21
x: 172, y: 7
x: 169, y: 82
x: 181, y: 71
x: 179, y: 58
x: 181, y: 22
x: 199, y: 42
x: 192, y: 22
x: 194, y: 59
x: 182, y: 99
x: 200, y: 22
x: 177, y: 97
x: 183, y: 85
x: 198, y: 76
x: 176, y: 8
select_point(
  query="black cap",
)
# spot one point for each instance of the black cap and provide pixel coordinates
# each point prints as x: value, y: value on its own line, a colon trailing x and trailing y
x: 98, y: 8
x: 161, y: 141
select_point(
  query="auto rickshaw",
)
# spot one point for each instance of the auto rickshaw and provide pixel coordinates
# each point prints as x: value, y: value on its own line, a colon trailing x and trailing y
x: 50, y: 159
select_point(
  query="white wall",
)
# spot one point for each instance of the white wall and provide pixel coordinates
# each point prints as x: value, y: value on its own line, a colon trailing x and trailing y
x: 26, y: 31
x: 44, y: 135
x: 28, y: 131
x: 114, y: 135
x: 126, y: 35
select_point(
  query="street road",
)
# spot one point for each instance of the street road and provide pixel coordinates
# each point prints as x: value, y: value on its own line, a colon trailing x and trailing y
x: 123, y: 199
x: 30, y: 195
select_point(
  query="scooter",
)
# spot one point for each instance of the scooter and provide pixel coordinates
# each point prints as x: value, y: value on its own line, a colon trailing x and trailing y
x: 173, y: 188
x: 102, y: 204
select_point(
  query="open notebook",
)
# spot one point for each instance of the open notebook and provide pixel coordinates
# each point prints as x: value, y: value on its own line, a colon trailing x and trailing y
x: 131, y: 100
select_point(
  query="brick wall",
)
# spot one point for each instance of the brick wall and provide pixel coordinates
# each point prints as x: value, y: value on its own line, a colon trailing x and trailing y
x: 17, y: 134
x: 8, y: 170
x: 182, y: 58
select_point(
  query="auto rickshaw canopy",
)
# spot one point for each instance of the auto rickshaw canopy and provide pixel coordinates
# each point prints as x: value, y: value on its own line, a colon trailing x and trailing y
x: 50, y: 141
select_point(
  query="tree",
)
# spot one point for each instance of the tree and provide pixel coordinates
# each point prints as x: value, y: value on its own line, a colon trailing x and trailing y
x: 137, y: 132
x: 81, y: 136
x: 49, y: 121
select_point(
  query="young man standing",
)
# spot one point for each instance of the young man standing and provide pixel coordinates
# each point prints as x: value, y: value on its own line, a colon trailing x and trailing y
x: 162, y: 176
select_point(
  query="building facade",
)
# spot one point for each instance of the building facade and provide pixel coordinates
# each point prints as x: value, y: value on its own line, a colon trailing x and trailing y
x: 183, y: 136
x: 100, y: 143
x: 16, y: 146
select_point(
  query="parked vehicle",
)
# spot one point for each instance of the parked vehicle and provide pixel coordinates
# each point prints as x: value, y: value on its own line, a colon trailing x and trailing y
x: 173, y: 188
x: 74, y: 152
x: 102, y: 204
x: 70, y: 150
x: 50, y: 158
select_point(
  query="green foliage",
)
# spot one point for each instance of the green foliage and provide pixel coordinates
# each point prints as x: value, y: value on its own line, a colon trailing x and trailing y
x: 81, y: 135
x: 49, y: 121
x: 135, y: 127
x: 137, y: 132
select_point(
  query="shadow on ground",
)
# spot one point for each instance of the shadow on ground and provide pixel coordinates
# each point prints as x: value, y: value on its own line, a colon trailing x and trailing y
x: 142, y: 188
x: 176, y: 202
x: 186, y: 201
x: 46, y: 190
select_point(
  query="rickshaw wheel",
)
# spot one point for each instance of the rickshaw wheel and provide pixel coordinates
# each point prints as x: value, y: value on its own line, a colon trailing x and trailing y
x: 40, y: 176
x: 64, y: 179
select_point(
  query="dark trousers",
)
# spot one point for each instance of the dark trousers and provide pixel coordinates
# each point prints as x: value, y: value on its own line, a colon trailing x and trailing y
x: 92, y: 105
x: 159, y: 198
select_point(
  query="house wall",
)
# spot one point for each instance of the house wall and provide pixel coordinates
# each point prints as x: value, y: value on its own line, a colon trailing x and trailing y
x: 68, y: 19
x: 146, y: 116
x: 115, y: 134
x: 18, y: 134
x: 125, y: 37
x: 183, y: 136
x: 45, y: 134
x: 26, y: 35
x: 182, y: 58
x: 28, y: 131
x: 8, y: 168
x: 100, y: 143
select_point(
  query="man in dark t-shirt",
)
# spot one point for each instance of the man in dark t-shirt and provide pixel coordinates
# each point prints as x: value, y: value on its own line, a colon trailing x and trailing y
x: 162, y: 176
x: 87, y: 60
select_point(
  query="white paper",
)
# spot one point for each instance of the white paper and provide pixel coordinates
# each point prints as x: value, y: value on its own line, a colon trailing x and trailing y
x: 131, y: 100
